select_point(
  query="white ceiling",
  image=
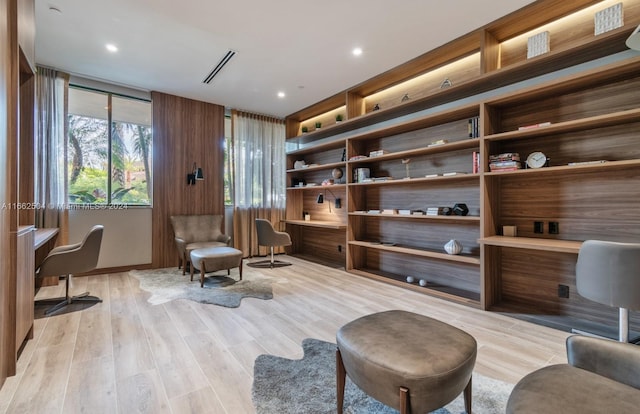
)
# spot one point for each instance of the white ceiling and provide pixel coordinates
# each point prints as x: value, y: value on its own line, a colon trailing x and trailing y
x: 300, y: 47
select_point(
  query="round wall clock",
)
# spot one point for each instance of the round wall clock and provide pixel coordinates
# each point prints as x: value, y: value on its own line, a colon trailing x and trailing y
x: 536, y: 159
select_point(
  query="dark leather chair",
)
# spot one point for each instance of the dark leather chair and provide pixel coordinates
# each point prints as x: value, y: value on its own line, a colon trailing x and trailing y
x: 268, y: 236
x: 72, y: 259
x: 197, y: 231
x: 601, y: 377
x: 609, y: 273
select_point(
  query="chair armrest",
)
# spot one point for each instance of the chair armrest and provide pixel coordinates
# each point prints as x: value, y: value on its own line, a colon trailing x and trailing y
x: 181, y: 244
x: 615, y: 360
x: 224, y: 239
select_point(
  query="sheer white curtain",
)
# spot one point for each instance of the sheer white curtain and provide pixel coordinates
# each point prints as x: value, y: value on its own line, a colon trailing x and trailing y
x: 259, y: 176
x: 50, y: 148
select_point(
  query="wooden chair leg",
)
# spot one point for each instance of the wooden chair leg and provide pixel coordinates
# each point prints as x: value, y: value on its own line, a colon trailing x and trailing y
x: 202, y: 272
x: 184, y: 263
x: 467, y: 397
x: 405, y: 406
x: 240, y: 267
x: 190, y: 272
x: 341, y: 376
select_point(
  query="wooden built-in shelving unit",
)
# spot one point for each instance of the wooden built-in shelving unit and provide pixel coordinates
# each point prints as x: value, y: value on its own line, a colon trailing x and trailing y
x: 589, y: 98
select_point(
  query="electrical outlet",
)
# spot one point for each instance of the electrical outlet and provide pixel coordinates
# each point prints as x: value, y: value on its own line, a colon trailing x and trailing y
x: 339, y: 248
x: 554, y: 227
x: 538, y: 227
x: 563, y: 291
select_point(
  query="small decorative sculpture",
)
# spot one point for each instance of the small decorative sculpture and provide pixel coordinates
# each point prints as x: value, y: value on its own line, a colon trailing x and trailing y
x: 453, y: 246
x: 410, y: 279
x: 336, y: 173
x: 375, y: 108
x: 422, y: 282
x: 406, y: 162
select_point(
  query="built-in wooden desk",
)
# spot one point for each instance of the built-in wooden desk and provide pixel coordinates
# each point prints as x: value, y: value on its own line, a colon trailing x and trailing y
x: 318, y: 223
x: 43, y: 242
x: 42, y: 236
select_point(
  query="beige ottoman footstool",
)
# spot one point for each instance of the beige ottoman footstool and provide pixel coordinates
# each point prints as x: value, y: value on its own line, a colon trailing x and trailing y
x: 211, y: 259
x: 407, y: 361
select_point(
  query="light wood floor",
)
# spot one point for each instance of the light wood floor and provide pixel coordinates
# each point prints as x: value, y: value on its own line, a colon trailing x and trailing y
x: 125, y: 355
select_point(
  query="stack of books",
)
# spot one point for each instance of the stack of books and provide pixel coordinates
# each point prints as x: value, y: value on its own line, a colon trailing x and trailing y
x: 508, y: 161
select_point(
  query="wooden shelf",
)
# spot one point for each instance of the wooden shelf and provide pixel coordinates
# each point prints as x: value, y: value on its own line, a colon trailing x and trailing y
x: 587, y: 93
x: 418, y: 252
x: 452, y: 219
x: 317, y: 223
x: 566, y: 169
x: 600, y: 121
x: 581, y: 52
x: 437, y: 290
x: 402, y: 181
x: 549, y: 245
x: 319, y: 167
x: 434, y: 149
x: 318, y: 187
x: 313, y: 146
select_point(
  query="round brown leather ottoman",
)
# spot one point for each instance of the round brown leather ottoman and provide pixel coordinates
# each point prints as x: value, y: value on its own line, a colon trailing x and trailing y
x: 407, y: 361
x: 211, y: 259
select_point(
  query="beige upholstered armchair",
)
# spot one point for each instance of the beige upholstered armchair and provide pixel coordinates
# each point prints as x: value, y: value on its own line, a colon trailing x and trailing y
x: 196, y: 232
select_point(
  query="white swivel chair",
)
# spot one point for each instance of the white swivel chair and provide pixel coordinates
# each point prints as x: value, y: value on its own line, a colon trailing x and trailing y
x: 609, y: 273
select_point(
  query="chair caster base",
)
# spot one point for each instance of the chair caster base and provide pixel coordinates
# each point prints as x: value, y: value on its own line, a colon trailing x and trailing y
x: 268, y: 264
x: 62, y: 302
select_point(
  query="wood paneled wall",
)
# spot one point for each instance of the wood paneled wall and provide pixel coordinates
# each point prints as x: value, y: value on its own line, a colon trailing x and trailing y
x: 184, y: 132
x: 8, y: 180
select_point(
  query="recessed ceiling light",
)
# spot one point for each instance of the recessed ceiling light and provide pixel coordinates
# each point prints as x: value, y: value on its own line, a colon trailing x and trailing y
x: 111, y: 47
x: 357, y: 51
x: 281, y: 95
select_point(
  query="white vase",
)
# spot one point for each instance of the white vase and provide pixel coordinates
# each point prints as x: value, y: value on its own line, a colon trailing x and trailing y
x: 453, y: 247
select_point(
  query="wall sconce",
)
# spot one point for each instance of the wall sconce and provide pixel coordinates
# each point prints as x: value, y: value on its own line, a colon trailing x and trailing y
x: 337, y: 202
x: 633, y: 42
x: 196, y: 174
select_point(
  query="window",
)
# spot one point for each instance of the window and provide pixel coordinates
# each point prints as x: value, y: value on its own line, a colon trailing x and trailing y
x: 109, y: 148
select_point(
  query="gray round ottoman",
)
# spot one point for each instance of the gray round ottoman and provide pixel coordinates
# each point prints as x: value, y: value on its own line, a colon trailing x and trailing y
x: 407, y: 361
x: 211, y: 259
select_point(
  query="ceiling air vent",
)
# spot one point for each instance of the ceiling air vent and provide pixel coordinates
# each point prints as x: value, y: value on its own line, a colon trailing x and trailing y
x: 219, y: 66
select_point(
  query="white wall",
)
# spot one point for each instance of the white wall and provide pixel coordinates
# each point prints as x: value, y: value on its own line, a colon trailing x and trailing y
x: 127, y: 234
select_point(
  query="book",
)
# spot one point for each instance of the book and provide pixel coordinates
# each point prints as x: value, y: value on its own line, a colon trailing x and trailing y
x: 473, y: 127
x: 475, y: 162
x: 404, y: 212
x: 432, y: 175
x: 389, y: 211
x: 452, y: 173
x: 541, y: 124
x: 438, y: 142
x: 507, y: 156
x: 571, y: 164
x: 377, y: 153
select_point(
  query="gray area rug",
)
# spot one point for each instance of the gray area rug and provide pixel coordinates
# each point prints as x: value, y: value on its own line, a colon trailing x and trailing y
x: 308, y: 385
x: 169, y: 284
